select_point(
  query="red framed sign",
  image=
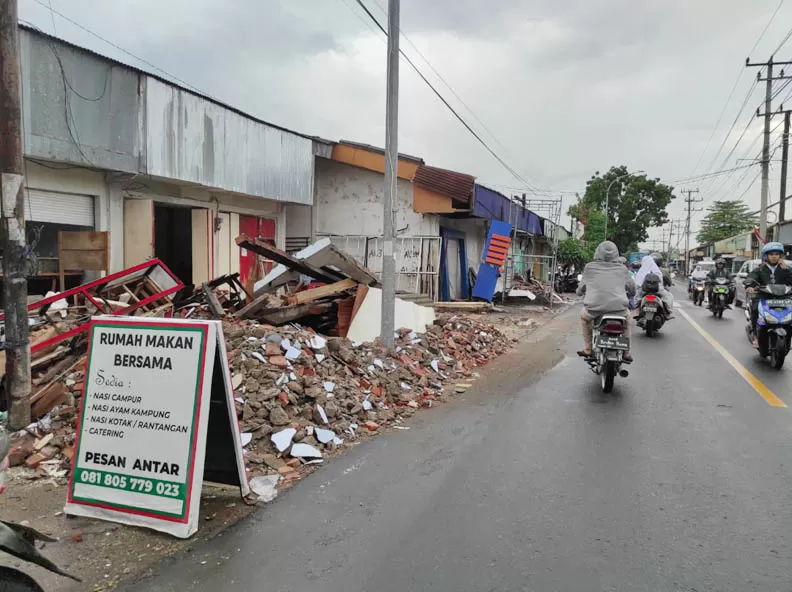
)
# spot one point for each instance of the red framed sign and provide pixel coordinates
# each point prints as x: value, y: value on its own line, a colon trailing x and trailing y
x: 155, y: 390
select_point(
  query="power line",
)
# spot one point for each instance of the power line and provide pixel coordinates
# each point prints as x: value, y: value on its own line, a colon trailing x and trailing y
x: 448, y: 105
x: 734, y: 88
x: 715, y: 174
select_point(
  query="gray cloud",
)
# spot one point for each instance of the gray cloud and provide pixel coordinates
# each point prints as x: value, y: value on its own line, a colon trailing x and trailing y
x: 567, y: 87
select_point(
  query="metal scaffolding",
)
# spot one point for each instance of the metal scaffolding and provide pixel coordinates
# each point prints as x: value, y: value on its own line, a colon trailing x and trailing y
x: 530, y: 264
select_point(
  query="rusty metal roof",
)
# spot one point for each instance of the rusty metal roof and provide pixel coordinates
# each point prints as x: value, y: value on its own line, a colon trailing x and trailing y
x: 457, y: 186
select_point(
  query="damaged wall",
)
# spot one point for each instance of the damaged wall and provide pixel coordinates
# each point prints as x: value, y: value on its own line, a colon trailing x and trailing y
x: 349, y: 202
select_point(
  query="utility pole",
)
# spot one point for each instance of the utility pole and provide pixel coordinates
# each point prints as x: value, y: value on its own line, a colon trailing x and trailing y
x: 784, y: 159
x: 689, y: 201
x: 12, y: 226
x: 391, y: 178
x: 768, y: 114
x: 670, y: 238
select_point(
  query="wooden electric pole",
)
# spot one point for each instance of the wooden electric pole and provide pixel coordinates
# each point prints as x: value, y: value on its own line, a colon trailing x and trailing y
x: 12, y: 224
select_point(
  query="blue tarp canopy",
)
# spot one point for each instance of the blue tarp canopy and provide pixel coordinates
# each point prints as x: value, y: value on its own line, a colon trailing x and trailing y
x: 493, y: 205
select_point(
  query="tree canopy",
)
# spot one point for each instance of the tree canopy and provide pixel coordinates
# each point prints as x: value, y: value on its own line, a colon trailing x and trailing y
x: 725, y: 219
x: 572, y: 254
x: 635, y: 202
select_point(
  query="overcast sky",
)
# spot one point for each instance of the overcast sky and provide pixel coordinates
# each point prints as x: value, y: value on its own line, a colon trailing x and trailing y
x: 565, y: 87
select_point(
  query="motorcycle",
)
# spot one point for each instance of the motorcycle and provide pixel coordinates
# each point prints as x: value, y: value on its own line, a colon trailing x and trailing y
x: 20, y: 541
x: 774, y: 323
x: 609, y: 344
x: 719, y: 297
x: 697, y: 292
x: 652, y: 314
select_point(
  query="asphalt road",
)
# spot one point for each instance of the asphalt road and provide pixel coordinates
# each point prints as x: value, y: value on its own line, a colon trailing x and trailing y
x: 681, y: 480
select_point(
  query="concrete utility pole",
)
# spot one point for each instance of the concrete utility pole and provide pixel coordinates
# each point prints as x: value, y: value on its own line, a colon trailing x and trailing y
x: 12, y: 228
x: 784, y: 159
x: 391, y: 178
x: 768, y: 114
x: 689, y: 201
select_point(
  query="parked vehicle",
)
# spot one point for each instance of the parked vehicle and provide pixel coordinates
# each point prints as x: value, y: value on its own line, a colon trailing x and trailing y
x: 609, y: 344
x: 773, y: 324
x: 747, y: 267
x: 719, y: 297
x: 566, y: 282
x: 20, y: 541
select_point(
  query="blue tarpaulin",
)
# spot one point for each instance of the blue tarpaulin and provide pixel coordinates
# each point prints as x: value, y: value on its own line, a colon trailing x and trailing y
x: 493, y: 205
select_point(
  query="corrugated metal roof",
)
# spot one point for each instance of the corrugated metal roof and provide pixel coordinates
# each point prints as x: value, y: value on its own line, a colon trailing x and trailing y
x: 457, y: 186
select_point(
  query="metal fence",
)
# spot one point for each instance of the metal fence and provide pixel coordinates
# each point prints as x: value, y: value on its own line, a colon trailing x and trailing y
x: 417, y: 260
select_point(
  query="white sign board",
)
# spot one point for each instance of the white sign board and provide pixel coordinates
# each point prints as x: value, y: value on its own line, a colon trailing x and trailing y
x: 157, y: 392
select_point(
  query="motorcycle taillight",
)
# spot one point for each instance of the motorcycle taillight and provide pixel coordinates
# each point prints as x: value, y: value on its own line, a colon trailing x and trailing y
x: 651, y: 298
x: 612, y: 328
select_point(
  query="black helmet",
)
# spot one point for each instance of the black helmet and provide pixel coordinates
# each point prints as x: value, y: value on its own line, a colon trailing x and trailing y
x: 658, y: 258
x: 720, y: 261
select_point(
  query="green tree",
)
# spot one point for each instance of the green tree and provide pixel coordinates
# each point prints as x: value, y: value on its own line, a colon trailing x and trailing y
x: 635, y: 202
x: 725, y: 219
x: 571, y: 254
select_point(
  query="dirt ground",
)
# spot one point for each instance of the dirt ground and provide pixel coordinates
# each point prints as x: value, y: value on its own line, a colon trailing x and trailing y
x: 103, y: 554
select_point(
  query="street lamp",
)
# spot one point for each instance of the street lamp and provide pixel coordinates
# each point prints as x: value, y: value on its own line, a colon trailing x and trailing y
x: 607, y: 195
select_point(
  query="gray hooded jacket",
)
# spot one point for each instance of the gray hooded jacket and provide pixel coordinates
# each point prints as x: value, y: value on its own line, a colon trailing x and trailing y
x: 606, y: 282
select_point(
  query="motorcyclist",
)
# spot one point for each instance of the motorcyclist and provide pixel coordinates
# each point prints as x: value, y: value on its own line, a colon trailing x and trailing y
x: 649, y: 266
x: 606, y: 284
x: 719, y: 271
x: 773, y: 270
x: 658, y: 258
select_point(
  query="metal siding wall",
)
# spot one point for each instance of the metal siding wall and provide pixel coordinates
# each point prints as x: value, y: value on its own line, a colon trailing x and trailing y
x: 106, y: 128
x: 193, y: 139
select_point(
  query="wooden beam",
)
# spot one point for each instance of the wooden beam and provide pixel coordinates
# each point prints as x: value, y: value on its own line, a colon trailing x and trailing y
x: 322, y: 291
x: 211, y: 300
x: 298, y: 265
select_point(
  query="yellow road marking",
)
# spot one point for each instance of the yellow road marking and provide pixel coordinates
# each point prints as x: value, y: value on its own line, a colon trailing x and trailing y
x: 768, y: 395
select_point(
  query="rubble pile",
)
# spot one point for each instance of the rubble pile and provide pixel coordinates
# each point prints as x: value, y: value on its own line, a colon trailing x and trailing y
x: 302, y: 391
x: 301, y: 396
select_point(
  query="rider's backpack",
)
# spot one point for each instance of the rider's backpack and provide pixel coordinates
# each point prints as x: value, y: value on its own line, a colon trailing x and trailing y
x: 651, y: 284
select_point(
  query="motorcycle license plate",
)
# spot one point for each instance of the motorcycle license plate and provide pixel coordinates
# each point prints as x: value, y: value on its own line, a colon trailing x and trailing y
x: 780, y: 303
x: 613, y: 342
x: 720, y: 290
x: 650, y: 309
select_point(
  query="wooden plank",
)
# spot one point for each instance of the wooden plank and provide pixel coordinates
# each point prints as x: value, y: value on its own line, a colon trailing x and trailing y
x: 359, y: 298
x: 255, y: 305
x: 211, y: 300
x: 323, y: 291
x: 468, y: 306
x: 298, y: 265
x: 84, y: 240
x: 288, y: 314
x: 51, y: 397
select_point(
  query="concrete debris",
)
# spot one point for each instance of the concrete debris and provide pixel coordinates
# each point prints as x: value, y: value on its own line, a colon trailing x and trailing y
x: 283, y: 439
x: 265, y: 487
x: 301, y: 450
x: 324, y: 436
x: 299, y: 384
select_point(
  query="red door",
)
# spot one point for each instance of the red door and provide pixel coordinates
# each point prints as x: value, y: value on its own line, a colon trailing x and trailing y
x: 253, y: 267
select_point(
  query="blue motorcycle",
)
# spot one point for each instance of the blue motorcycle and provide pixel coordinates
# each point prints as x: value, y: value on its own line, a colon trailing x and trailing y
x: 774, y: 323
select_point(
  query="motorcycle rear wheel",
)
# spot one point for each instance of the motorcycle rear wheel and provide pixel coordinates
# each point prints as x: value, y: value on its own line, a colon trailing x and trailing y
x: 650, y: 328
x: 608, y: 375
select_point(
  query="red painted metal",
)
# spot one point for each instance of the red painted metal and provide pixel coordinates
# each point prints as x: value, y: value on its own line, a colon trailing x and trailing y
x: 89, y: 291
